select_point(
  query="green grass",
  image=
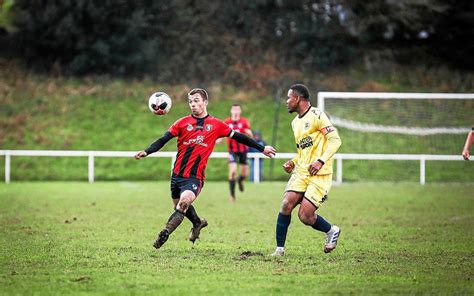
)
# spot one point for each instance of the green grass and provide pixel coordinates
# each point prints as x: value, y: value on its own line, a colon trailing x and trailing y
x: 397, y: 238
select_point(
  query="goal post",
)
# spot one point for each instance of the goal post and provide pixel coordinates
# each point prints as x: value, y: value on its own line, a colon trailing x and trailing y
x: 390, y: 124
x: 322, y: 96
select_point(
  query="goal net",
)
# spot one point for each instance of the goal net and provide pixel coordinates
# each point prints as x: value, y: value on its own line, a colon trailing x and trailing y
x: 400, y: 123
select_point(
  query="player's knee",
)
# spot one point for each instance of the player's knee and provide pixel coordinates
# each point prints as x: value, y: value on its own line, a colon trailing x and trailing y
x: 306, y: 218
x: 184, y: 203
x: 286, y: 207
x: 183, y: 206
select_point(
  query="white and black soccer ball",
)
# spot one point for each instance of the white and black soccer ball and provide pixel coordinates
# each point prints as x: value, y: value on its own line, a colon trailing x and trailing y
x: 159, y: 103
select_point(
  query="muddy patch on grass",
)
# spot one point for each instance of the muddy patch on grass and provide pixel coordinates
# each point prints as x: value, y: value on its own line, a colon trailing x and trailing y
x: 82, y: 279
x: 247, y: 254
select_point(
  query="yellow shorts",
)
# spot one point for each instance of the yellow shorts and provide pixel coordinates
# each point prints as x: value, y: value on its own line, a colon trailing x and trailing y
x: 315, y: 188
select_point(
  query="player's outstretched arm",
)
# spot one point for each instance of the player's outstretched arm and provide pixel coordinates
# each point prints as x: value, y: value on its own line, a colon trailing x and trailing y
x: 155, y: 146
x: 266, y: 150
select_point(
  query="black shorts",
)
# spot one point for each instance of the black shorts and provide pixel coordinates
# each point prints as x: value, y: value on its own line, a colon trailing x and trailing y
x: 239, y: 157
x: 180, y: 184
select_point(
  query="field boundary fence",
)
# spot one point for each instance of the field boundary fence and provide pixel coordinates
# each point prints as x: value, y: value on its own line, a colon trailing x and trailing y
x: 338, y: 158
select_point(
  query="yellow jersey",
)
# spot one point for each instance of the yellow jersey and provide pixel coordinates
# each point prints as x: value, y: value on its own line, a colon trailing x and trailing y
x: 315, y: 139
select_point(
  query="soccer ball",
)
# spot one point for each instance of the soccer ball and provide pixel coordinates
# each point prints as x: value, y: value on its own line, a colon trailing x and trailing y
x: 159, y: 103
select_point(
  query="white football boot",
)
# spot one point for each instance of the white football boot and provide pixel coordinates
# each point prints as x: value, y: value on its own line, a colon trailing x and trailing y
x: 279, y: 252
x: 331, y: 239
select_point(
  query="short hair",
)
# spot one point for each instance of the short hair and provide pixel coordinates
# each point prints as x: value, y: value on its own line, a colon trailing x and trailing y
x: 301, y: 90
x: 235, y: 105
x: 200, y: 91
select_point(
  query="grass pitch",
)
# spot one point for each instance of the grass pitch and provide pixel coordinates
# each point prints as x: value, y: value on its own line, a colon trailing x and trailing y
x: 79, y: 238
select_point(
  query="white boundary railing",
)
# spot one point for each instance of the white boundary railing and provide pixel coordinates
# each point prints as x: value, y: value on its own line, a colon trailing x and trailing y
x: 422, y: 158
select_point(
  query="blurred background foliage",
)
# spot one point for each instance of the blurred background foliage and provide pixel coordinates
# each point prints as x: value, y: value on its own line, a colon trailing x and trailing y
x: 239, y: 42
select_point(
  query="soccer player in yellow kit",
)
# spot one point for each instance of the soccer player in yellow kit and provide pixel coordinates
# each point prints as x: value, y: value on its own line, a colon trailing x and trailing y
x: 311, y: 170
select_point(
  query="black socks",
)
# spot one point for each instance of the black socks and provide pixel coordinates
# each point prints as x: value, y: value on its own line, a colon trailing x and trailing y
x: 193, y: 216
x: 283, y: 221
x: 232, y: 187
x: 321, y: 224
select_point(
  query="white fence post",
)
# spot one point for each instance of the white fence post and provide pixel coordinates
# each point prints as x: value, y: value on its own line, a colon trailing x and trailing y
x: 7, y: 166
x: 91, y: 167
x: 256, y: 169
x: 422, y: 170
x: 320, y: 101
x: 339, y: 170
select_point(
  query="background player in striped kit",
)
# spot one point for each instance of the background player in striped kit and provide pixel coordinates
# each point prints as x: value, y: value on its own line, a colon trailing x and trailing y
x: 237, y: 151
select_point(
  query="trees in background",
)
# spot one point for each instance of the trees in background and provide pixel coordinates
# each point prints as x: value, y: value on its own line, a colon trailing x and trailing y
x: 179, y: 40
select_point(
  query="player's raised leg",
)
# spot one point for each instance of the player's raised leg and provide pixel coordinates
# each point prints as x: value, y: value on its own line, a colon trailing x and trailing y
x: 307, y: 215
x: 181, y: 207
x: 290, y: 201
x: 198, y: 223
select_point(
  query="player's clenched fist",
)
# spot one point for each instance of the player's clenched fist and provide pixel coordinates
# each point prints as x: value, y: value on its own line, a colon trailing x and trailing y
x: 289, y: 166
x: 314, y: 168
x: 140, y: 154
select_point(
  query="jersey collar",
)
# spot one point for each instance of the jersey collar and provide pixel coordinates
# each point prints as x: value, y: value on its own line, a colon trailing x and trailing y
x: 305, y: 112
x: 197, y: 118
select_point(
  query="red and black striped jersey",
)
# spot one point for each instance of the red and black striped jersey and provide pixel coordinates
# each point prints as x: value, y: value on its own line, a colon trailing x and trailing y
x: 196, y: 140
x: 240, y: 126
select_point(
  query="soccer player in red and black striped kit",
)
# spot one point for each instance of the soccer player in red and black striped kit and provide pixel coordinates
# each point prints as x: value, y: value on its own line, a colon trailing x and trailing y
x: 197, y: 134
x: 237, y: 151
